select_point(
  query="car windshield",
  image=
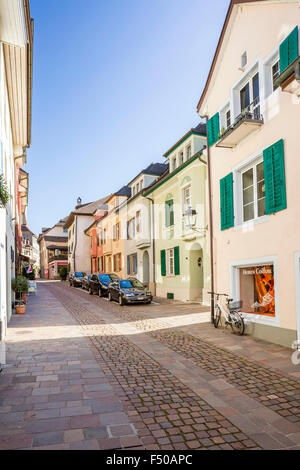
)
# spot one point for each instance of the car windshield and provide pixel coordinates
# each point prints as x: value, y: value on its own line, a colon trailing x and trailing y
x: 114, y: 277
x: 105, y: 278
x: 136, y: 283
x: 78, y: 274
x: 126, y: 284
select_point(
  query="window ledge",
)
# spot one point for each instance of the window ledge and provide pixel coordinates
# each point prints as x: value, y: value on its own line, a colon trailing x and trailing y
x: 247, y: 226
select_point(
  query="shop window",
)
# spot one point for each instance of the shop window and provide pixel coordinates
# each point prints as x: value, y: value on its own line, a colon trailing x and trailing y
x: 257, y: 290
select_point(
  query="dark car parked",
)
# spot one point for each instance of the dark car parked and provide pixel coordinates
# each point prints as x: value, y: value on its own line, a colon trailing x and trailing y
x: 75, y: 279
x: 124, y: 292
x: 99, y: 283
x: 86, y: 282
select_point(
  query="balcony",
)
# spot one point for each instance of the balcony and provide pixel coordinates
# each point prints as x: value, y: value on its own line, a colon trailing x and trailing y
x: 143, y: 243
x: 289, y: 79
x: 58, y: 258
x: 244, y: 125
x: 107, y: 247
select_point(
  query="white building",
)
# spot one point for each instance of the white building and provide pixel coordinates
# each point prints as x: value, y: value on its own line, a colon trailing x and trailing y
x: 16, y: 34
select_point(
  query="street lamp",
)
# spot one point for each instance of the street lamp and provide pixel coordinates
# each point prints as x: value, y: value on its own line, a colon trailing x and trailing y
x: 190, y: 220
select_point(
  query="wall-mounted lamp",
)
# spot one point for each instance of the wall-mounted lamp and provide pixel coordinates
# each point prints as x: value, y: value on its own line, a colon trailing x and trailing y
x: 190, y: 220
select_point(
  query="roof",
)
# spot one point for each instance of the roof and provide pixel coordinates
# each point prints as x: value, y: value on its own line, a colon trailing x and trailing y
x: 155, y: 169
x: 200, y: 129
x: 85, y: 209
x: 219, y: 46
x: 24, y: 228
x: 125, y: 191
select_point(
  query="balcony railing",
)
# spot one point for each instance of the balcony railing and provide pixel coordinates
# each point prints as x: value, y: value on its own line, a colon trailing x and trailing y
x: 58, y: 258
x: 248, y: 121
x: 289, y: 79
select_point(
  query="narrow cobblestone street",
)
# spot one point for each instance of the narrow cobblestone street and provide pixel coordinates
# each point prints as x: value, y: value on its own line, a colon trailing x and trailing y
x: 85, y: 373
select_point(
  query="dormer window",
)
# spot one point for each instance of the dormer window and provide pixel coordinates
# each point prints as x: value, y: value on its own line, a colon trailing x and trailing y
x: 188, y: 152
x: 181, y: 158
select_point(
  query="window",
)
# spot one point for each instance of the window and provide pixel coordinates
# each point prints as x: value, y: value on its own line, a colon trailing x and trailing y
x: 227, y: 119
x: 138, y: 187
x: 131, y: 229
x: 100, y: 264
x: 100, y: 239
x: 181, y: 158
x: 170, y: 262
x: 65, y: 230
x: 116, y: 231
x: 169, y: 213
x: 275, y: 74
x: 138, y: 222
x: 257, y: 289
x: 244, y: 60
x: 173, y: 161
x: 188, y: 152
x: 249, y: 96
x: 253, y: 187
x: 117, y: 262
x: 187, y: 199
x: 132, y: 264
x: 104, y: 236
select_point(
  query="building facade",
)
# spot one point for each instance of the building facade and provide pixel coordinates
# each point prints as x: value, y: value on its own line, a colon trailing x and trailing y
x: 53, y: 248
x: 16, y: 40
x: 180, y: 243
x: 78, y: 243
x: 252, y: 102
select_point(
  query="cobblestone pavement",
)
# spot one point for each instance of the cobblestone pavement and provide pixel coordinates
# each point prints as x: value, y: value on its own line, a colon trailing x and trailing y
x: 119, y: 377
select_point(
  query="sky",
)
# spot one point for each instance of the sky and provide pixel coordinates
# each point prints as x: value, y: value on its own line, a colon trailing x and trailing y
x: 115, y: 85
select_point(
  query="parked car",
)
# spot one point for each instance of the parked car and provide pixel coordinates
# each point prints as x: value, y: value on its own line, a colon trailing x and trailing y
x: 86, y: 282
x: 99, y: 283
x: 124, y: 292
x: 75, y: 279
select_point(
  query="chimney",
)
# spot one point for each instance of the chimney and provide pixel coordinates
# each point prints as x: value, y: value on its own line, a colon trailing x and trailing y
x: 79, y: 201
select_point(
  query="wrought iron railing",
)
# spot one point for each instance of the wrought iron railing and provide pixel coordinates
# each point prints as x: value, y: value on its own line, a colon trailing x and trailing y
x: 251, y: 112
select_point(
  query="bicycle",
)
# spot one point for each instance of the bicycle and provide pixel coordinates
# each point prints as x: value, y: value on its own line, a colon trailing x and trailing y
x: 232, y: 316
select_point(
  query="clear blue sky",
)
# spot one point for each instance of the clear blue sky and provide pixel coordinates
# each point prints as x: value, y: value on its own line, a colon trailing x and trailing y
x: 116, y: 84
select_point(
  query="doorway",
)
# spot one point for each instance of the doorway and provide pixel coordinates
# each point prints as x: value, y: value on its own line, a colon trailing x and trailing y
x: 196, y: 279
x: 146, y: 268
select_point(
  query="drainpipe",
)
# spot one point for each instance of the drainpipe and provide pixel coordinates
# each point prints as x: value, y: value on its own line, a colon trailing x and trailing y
x: 212, y: 284
x: 153, y: 244
x: 75, y: 244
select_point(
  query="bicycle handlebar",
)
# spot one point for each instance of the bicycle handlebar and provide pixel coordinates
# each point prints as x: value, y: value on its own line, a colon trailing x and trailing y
x: 215, y: 293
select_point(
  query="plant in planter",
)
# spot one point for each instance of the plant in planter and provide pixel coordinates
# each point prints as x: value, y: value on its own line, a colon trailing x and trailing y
x: 20, y: 307
x: 4, y: 193
x: 20, y: 287
x: 63, y: 272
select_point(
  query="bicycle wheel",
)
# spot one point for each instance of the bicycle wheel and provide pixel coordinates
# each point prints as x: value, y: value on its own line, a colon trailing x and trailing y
x: 217, y: 316
x: 237, y: 325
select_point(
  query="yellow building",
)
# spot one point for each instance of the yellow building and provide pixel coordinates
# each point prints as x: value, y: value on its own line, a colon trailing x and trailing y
x: 180, y: 226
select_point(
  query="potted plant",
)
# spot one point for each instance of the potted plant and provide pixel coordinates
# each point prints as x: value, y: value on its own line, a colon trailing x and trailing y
x: 20, y: 307
x: 4, y: 192
x: 20, y: 286
x: 63, y: 272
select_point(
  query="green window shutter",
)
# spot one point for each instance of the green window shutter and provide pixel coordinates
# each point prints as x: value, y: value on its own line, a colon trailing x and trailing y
x: 169, y: 211
x: 289, y: 49
x: 177, y: 260
x: 213, y: 129
x: 163, y: 262
x: 275, y: 178
x: 226, y: 195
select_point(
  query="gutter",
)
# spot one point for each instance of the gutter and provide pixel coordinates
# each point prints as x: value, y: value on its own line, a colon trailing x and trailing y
x: 212, y: 283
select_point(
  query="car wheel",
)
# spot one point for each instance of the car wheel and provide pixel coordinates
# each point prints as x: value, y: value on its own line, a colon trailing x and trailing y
x: 109, y: 297
x: 90, y: 291
x: 70, y: 284
x: 100, y: 293
x: 121, y: 301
